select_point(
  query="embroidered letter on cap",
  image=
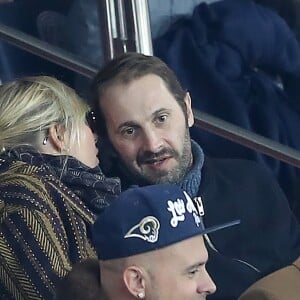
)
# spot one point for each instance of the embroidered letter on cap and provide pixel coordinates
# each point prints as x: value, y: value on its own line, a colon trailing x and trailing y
x: 147, y: 230
x: 177, y: 209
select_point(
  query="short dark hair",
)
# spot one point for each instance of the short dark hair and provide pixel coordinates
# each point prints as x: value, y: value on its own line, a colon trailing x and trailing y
x: 126, y: 68
x: 82, y: 282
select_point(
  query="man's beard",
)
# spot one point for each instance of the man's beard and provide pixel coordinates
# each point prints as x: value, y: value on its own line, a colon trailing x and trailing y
x: 175, y: 175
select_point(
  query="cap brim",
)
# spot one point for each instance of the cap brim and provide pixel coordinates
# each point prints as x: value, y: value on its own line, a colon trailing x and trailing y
x: 221, y: 226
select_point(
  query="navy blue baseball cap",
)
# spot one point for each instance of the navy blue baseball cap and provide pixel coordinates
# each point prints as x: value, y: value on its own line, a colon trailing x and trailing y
x: 148, y: 218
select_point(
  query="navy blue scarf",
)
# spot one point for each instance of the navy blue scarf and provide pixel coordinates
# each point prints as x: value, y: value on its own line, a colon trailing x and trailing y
x: 89, y: 184
x: 191, y: 181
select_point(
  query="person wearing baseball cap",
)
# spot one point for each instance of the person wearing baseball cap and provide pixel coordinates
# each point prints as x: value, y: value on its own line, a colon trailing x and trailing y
x: 150, y: 245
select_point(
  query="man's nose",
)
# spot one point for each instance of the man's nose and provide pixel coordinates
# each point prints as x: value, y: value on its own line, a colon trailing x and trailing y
x: 206, y: 285
x: 152, y: 140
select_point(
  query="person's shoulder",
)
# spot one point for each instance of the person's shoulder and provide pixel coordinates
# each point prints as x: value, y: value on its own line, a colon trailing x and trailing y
x: 14, y: 167
x: 234, y: 165
x: 240, y: 173
x: 247, y: 177
x: 24, y: 185
x: 35, y: 188
x: 18, y: 173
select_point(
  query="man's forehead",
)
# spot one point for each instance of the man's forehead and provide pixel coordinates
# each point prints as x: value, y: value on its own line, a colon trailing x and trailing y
x: 139, y: 99
x: 142, y: 88
x: 181, y: 256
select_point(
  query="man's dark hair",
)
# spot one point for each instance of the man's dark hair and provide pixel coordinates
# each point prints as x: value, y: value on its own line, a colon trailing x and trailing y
x: 82, y: 283
x: 126, y: 68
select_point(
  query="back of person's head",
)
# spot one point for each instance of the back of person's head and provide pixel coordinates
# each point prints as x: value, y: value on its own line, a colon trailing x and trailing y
x: 127, y: 68
x: 82, y: 283
x: 30, y: 106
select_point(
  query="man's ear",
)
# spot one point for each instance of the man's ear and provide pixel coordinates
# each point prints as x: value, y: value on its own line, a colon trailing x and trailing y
x: 56, y: 135
x: 135, y: 282
x: 189, y: 111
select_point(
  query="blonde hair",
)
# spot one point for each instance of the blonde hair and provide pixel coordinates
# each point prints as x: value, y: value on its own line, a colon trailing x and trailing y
x: 30, y: 106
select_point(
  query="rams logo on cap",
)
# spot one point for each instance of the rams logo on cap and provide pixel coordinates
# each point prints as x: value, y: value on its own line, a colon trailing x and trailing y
x: 147, y: 230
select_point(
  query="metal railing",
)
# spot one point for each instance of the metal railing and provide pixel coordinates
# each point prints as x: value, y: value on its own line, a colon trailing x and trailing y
x: 247, y: 138
x: 51, y: 53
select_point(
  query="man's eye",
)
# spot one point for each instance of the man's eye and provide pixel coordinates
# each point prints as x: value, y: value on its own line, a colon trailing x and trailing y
x: 162, y: 118
x: 128, y: 131
x: 193, y: 272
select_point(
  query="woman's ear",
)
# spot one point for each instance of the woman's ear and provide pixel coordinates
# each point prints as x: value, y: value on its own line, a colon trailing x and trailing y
x: 56, y: 136
x: 189, y: 111
x: 135, y: 282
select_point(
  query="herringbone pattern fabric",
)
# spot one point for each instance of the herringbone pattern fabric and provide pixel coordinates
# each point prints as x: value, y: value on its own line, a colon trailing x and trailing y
x: 44, y: 231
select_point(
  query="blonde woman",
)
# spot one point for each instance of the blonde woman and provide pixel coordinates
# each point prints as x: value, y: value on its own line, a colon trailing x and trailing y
x: 51, y: 187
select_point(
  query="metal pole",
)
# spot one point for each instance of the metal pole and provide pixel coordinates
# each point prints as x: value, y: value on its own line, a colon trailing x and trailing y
x: 142, y: 26
x: 108, y: 27
x: 125, y: 26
